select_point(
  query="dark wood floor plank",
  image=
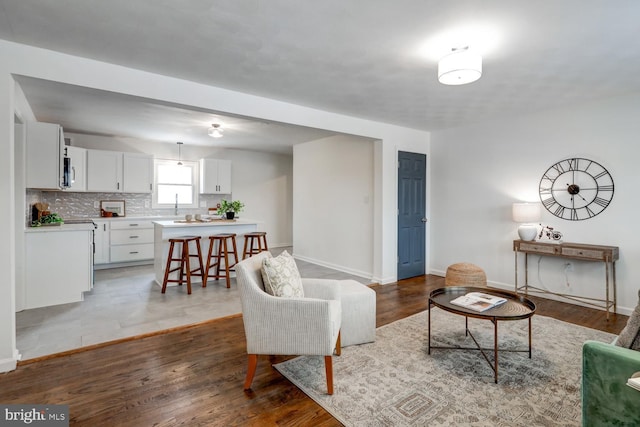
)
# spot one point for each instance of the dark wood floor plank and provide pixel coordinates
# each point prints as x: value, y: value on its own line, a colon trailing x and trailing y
x: 194, y: 376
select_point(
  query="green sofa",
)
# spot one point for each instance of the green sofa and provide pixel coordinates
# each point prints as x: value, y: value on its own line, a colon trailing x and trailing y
x: 607, y: 400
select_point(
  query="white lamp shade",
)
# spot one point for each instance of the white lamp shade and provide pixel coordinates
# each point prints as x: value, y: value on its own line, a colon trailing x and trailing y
x: 460, y: 67
x: 526, y: 212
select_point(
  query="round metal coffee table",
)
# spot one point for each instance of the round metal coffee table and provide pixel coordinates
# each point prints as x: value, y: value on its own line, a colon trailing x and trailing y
x: 517, y: 307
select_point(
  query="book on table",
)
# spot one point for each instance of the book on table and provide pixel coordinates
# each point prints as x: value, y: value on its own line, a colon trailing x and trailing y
x: 478, y: 301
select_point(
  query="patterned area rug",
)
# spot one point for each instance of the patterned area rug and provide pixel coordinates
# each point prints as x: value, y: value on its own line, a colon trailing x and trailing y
x: 394, y: 382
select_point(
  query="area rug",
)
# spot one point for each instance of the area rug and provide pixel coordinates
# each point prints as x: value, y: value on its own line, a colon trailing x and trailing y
x: 394, y: 382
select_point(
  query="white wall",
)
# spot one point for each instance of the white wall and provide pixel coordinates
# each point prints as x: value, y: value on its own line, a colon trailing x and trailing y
x: 480, y: 170
x: 45, y: 64
x: 23, y: 114
x: 262, y: 181
x: 7, y: 227
x: 333, y: 208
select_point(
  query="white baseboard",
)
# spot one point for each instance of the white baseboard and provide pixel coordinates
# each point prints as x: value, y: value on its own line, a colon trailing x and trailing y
x: 279, y: 245
x: 342, y: 268
x: 7, y: 365
x: 122, y: 264
x: 384, y: 280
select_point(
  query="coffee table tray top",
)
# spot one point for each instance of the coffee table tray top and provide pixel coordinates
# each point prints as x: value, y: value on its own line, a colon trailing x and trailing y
x: 516, y: 307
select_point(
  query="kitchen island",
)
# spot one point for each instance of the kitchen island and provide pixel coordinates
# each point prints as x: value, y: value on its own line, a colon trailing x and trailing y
x: 165, y: 230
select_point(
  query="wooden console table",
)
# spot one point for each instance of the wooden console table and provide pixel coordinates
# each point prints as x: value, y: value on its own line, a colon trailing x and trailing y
x: 578, y: 251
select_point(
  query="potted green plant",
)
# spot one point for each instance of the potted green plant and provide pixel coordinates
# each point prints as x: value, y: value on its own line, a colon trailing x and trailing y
x: 230, y: 208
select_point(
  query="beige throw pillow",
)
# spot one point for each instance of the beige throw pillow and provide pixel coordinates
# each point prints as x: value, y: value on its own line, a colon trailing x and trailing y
x: 281, y: 277
x: 630, y: 335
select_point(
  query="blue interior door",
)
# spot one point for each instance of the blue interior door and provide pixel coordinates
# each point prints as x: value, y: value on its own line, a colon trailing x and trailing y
x: 411, y: 214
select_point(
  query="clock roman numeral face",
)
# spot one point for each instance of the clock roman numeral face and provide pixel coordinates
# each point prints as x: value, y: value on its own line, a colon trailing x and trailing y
x: 576, y: 189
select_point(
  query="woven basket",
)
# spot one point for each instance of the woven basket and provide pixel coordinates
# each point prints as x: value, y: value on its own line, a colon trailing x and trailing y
x: 465, y: 274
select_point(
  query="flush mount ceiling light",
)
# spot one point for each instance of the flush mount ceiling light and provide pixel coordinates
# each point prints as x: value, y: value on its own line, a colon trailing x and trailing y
x: 215, y: 131
x: 179, y: 153
x: 460, y: 67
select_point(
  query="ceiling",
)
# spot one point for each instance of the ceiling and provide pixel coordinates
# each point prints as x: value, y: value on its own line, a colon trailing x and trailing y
x: 375, y: 59
x: 88, y: 111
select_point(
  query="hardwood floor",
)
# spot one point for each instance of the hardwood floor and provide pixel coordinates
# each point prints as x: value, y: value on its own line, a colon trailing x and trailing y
x: 193, y: 376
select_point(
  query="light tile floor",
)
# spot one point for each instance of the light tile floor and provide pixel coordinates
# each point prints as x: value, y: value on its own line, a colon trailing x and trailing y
x: 127, y: 302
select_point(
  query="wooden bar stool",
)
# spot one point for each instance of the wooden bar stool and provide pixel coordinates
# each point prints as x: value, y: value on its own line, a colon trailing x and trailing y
x: 216, y: 255
x: 184, y: 258
x: 259, y: 237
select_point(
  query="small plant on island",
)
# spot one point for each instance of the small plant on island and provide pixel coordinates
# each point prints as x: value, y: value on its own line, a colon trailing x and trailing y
x: 230, y: 208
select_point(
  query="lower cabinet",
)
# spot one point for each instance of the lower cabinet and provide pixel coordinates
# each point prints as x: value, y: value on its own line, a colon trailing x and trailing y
x: 101, y: 242
x: 123, y: 240
x: 130, y: 240
x: 58, y: 266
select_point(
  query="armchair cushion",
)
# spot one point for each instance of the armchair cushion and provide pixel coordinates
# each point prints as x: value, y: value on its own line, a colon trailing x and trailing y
x: 281, y: 277
x: 630, y: 335
x: 606, y: 398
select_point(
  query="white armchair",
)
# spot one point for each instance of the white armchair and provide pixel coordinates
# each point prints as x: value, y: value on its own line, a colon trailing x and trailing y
x: 288, y: 326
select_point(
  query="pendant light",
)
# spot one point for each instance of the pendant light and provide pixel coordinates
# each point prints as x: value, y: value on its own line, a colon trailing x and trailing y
x: 460, y: 67
x: 179, y: 153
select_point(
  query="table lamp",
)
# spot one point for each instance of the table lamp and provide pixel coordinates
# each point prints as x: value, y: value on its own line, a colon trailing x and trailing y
x: 527, y: 214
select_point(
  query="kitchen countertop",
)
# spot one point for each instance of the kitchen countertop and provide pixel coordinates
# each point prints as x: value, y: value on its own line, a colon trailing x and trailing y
x: 137, y: 217
x: 182, y: 223
x: 163, y: 220
x: 57, y: 228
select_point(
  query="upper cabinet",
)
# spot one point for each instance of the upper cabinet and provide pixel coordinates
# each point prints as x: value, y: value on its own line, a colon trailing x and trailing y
x: 44, y: 156
x: 78, y: 172
x: 117, y: 172
x: 138, y: 173
x: 215, y: 176
x: 104, y: 171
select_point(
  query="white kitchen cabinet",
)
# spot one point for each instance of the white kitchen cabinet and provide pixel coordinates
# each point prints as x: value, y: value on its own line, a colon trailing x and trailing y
x: 44, y: 156
x: 101, y: 240
x: 215, y: 176
x: 59, y: 265
x: 117, y: 172
x: 78, y: 178
x: 138, y: 173
x: 131, y: 240
x: 104, y: 171
x: 121, y: 240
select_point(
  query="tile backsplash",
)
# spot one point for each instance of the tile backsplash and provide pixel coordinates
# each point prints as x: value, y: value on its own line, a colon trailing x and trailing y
x: 81, y: 205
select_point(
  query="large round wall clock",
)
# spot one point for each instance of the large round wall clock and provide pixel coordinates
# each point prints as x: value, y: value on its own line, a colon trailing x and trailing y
x: 576, y: 189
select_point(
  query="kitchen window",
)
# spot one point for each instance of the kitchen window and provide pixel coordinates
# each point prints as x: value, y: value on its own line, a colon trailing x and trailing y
x: 175, y: 182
